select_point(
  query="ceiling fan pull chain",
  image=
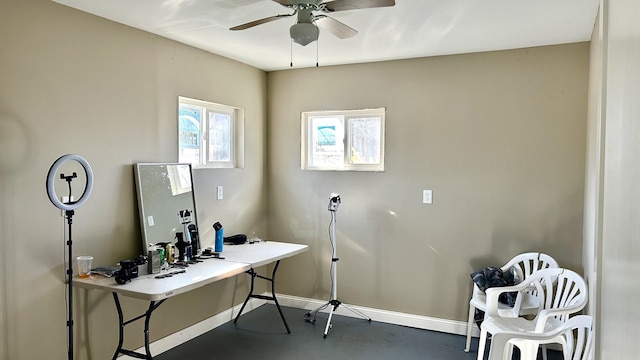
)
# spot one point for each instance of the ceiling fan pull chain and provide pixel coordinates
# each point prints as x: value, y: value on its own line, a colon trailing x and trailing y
x: 317, y: 42
x: 291, y: 52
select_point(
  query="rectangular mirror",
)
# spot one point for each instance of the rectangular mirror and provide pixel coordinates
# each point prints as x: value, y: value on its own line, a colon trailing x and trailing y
x: 165, y: 191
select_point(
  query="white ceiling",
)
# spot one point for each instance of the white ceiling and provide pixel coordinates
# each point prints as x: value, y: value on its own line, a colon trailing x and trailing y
x: 412, y: 28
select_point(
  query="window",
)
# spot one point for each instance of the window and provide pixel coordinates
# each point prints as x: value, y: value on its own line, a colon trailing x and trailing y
x: 343, y: 140
x: 210, y: 135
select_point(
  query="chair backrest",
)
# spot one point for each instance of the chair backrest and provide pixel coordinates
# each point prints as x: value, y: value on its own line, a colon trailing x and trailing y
x: 562, y: 292
x: 525, y: 264
x: 528, y: 263
x: 579, y: 336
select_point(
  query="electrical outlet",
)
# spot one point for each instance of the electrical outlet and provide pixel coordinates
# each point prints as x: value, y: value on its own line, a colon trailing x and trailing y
x: 220, y: 192
x: 427, y: 197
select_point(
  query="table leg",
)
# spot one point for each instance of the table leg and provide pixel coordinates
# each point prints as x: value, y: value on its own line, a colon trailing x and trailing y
x: 147, y: 317
x: 121, y: 326
x: 263, y: 297
x: 273, y: 292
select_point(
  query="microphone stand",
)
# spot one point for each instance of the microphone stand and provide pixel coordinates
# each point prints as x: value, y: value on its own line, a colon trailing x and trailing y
x: 334, y: 202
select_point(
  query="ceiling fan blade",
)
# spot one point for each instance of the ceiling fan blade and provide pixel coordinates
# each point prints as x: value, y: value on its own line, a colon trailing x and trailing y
x: 259, y: 22
x: 341, y: 5
x: 287, y: 3
x: 340, y: 30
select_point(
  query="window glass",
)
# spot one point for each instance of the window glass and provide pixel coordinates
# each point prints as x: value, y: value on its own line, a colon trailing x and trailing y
x: 327, y: 135
x: 364, y: 134
x: 219, y: 137
x: 189, y: 133
x: 343, y: 140
x: 209, y: 134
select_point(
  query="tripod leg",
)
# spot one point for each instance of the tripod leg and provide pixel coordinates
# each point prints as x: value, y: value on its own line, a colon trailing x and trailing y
x: 357, y: 312
x: 321, y: 307
x: 326, y: 329
x: 311, y: 315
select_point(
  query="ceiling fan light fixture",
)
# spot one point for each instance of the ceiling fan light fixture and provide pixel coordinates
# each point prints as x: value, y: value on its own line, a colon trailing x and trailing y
x: 304, y: 33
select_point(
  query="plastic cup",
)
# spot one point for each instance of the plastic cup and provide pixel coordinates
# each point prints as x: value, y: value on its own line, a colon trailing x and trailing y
x: 84, y: 266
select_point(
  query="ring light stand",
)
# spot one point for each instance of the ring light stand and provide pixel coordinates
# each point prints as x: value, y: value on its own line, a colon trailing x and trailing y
x: 334, y: 202
x: 69, y: 212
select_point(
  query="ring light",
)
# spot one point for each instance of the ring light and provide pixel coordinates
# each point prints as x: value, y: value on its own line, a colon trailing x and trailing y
x: 51, y: 191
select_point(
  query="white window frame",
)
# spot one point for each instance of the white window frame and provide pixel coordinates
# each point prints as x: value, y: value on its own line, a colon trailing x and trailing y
x: 344, y: 116
x: 236, y: 146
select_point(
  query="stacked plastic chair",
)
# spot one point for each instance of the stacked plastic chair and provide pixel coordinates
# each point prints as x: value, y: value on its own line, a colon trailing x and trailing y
x: 526, y: 302
x: 560, y: 293
x: 576, y: 335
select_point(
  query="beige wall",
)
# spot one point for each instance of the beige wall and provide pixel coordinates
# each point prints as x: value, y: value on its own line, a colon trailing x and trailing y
x: 74, y: 83
x: 499, y: 137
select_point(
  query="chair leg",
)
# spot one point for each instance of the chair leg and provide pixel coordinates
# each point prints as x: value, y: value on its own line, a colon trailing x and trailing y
x: 508, y: 351
x: 528, y: 348
x: 499, y: 346
x: 481, y: 343
x: 472, y: 312
x: 529, y: 351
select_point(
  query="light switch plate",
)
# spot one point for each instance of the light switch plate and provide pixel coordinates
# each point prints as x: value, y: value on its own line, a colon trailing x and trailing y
x: 220, y: 192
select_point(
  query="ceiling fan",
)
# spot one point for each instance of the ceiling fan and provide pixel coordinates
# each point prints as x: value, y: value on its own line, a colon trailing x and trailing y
x: 306, y: 29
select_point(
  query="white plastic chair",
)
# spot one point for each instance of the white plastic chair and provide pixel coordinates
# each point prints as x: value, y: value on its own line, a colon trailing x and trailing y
x: 526, y: 304
x: 576, y: 334
x: 560, y: 293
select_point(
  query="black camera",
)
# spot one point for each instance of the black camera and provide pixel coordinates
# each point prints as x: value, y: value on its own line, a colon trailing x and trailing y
x: 128, y: 270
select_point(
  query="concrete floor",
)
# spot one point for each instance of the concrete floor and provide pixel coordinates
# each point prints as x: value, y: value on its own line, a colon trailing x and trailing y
x: 260, y: 334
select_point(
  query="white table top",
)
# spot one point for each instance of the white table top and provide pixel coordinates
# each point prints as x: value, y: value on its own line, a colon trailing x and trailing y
x: 147, y: 287
x: 238, y: 259
x: 261, y: 253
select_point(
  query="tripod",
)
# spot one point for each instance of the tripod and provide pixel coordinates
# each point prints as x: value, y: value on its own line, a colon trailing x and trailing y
x: 334, y: 202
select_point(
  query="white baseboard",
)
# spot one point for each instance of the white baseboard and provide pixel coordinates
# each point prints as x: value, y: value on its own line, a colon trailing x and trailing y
x: 385, y: 316
x: 391, y: 317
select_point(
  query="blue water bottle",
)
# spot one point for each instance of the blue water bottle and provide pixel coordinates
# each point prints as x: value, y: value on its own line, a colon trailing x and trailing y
x: 219, y: 237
